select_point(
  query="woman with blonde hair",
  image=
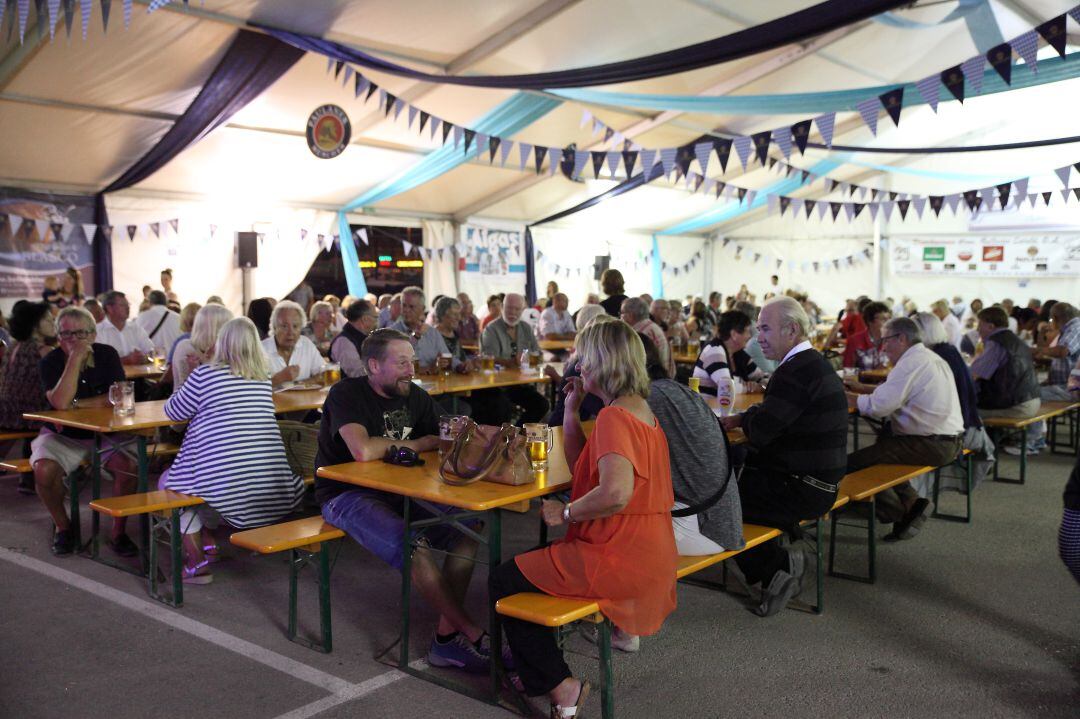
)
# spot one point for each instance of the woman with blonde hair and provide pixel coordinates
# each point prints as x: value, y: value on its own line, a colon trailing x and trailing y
x: 187, y: 320
x: 232, y: 455
x: 619, y: 547
x: 198, y: 348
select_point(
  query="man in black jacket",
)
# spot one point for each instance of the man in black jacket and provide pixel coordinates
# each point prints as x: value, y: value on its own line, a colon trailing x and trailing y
x: 361, y: 320
x: 798, y: 449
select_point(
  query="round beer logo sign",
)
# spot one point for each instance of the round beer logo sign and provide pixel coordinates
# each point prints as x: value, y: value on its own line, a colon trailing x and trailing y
x: 328, y: 131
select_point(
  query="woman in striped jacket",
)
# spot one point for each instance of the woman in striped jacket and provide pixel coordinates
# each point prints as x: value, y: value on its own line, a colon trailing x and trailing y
x: 232, y: 455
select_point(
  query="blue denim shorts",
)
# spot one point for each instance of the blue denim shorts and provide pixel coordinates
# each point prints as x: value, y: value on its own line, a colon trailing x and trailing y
x: 375, y: 520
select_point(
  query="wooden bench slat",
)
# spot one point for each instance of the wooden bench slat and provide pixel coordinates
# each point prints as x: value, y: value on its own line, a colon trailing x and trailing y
x: 754, y: 535
x: 865, y: 483
x: 287, y: 535
x: 544, y: 609
x: 19, y: 466
x: 1047, y: 410
x: 130, y: 505
x: 18, y: 434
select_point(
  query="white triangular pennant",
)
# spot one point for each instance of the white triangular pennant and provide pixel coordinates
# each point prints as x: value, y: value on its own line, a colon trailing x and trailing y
x: 1063, y: 174
x: 920, y: 204
x: 504, y: 151
x: 407, y: 247
x: 953, y: 201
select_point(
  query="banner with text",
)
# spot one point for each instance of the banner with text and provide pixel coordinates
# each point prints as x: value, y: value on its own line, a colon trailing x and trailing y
x: 1040, y: 256
x: 490, y: 260
x: 42, y: 235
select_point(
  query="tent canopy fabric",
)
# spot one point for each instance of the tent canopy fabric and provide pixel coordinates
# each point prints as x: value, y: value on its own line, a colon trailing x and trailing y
x: 77, y: 114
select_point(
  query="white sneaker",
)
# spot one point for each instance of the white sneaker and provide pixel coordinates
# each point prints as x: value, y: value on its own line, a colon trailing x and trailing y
x: 623, y: 641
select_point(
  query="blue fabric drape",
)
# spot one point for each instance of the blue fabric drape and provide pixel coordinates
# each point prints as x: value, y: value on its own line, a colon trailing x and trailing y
x: 1052, y: 69
x: 733, y: 209
x: 350, y: 261
x: 506, y: 119
x: 796, y: 27
x: 530, y: 269
x: 657, y: 269
x: 251, y: 64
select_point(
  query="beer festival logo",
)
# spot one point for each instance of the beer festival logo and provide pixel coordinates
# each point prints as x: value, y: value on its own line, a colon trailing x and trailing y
x: 328, y: 131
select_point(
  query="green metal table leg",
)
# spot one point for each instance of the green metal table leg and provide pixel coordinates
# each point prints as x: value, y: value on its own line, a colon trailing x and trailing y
x: 324, y: 599
x: 294, y: 569
x: 819, y: 539
x: 140, y: 486
x: 872, y: 539
x: 832, y: 541
x: 1023, y: 453
x: 494, y: 620
x: 406, y: 586
x: 607, y: 689
x: 176, y: 549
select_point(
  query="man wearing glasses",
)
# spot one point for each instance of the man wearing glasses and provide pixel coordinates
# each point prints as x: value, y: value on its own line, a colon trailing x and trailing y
x: 78, y: 374
x: 923, y: 423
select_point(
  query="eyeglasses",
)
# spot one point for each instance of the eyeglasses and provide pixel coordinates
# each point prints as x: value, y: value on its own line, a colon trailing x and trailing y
x: 76, y: 334
x: 887, y: 337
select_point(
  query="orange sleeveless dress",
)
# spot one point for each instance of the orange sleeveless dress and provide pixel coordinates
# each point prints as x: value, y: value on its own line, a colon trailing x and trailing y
x: 626, y: 562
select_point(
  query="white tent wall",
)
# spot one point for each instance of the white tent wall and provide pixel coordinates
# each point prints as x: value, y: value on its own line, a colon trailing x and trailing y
x: 578, y: 247
x: 203, y: 265
x: 440, y: 275
x: 823, y: 240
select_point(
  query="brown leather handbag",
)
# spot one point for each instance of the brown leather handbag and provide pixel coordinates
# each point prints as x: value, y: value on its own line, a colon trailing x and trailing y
x: 495, y: 454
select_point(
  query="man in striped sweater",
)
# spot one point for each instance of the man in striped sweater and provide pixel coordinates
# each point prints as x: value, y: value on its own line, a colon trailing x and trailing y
x: 798, y: 449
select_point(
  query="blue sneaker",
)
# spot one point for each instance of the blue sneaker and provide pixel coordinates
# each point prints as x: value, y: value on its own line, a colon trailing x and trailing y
x: 459, y: 653
x: 507, y: 657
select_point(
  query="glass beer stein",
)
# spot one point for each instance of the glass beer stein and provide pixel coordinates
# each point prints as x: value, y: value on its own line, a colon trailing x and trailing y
x: 538, y: 439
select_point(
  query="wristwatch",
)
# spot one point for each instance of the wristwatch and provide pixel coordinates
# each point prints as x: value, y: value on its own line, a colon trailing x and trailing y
x: 566, y: 513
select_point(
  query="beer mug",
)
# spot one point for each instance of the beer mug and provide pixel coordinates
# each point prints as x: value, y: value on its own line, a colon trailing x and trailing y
x: 694, y: 383
x: 122, y: 397
x: 331, y: 373
x: 443, y: 362
x: 725, y: 396
x: 487, y: 363
x: 449, y: 427
x: 538, y: 439
x: 534, y: 360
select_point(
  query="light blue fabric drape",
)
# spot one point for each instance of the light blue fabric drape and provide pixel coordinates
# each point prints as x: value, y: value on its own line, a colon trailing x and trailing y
x: 354, y: 276
x: 657, y: 270
x: 506, y: 119
x: 733, y: 209
x: 1052, y: 69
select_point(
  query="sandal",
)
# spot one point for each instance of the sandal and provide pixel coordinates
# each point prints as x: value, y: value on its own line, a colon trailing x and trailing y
x: 560, y: 712
x: 199, y: 574
x: 213, y: 553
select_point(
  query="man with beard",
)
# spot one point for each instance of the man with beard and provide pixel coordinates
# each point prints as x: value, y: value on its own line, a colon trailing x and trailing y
x: 362, y: 418
x: 505, y: 339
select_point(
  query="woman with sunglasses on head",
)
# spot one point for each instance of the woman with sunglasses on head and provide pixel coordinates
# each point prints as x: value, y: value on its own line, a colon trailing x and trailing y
x: 619, y: 546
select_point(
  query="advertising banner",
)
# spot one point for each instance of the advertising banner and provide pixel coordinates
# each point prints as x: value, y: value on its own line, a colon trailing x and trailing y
x: 41, y: 235
x: 491, y: 261
x: 1032, y: 256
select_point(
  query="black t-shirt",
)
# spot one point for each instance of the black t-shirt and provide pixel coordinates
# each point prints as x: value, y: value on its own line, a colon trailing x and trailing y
x: 353, y: 401
x: 613, y: 305
x: 93, y: 381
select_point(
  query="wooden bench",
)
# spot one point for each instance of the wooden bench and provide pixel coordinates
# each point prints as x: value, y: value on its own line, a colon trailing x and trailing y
x: 556, y: 612
x: 17, y: 434
x: 304, y: 540
x: 162, y: 507
x: 22, y: 465
x: 1072, y: 414
x: 863, y: 487
x: 1019, y: 426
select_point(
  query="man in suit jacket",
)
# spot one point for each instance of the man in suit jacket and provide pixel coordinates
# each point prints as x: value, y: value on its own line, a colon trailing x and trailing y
x: 798, y: 449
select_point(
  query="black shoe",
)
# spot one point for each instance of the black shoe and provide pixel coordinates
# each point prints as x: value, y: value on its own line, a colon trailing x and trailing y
x: 913, y: 521
x: 123, y: 546
x: 775, y: 597
x: 63, y: 542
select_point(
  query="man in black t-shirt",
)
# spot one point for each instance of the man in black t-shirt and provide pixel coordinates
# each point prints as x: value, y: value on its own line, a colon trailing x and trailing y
x: 78, y: 373
x: 362, y: 418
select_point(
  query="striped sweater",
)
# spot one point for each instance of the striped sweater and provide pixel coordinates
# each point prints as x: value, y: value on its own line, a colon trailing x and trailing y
x: 232, y: 455
x: 801, y: 427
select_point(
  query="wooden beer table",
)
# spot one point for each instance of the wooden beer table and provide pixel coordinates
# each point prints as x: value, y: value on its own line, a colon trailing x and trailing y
x: 556, y: 345
x: 421, y: 486
x: 143, y: 371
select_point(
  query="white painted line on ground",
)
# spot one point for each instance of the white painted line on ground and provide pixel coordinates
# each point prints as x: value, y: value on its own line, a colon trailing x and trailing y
x: 340, y: 689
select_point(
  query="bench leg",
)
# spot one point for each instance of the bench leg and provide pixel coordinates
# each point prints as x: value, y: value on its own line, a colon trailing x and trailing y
x: 1023, y: 459
x: 176, y: 552
x: 969, y: 470
x: 871, y: 546
x: 607, y: 688
x: 819, y: 551
x: 298, y: 559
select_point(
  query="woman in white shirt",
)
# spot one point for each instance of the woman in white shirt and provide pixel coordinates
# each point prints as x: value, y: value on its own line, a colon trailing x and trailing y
x: 199, y: 348
x: 290, y: 355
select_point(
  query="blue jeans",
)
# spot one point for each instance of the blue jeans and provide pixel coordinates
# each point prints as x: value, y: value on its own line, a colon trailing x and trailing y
x: 375, y: 520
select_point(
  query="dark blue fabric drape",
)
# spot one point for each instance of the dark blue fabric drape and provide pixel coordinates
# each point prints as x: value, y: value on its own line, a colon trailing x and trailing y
x: 252, y: 63
x: 797, y: 27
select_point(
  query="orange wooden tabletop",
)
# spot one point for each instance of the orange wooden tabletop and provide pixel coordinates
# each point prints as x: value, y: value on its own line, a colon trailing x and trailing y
x: 448, y: 384
x: 424, y: 483
x: 142, y: 371
x: 556, y: 345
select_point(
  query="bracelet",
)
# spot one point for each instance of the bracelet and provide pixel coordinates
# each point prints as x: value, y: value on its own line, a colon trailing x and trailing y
x: 566, y: 513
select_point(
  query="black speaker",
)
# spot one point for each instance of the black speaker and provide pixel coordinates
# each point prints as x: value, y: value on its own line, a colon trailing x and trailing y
x: 601, y: 264
x: 247, y: 246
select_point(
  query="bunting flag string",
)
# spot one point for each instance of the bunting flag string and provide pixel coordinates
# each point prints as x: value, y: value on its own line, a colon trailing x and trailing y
x: 955, y: 79
x: 740, y: 252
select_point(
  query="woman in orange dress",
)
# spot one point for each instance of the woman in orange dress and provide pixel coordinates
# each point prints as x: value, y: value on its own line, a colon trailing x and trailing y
x: 619, y: 548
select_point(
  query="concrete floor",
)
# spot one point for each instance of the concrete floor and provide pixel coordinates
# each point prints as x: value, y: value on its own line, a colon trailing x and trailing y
x: 964, y: 620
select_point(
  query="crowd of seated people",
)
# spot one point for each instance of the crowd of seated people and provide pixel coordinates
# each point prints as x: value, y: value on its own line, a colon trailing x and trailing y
x: 655, y: 479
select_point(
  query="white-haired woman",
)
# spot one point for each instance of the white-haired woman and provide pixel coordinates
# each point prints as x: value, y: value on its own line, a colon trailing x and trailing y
x: 232, y: 455
x: 198, y: 349
x: 619, y: 547
x: 290, y: 355
x: 320, y: 328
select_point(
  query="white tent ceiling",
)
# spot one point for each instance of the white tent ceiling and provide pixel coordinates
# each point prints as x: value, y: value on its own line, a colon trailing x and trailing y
x: 76, y: 114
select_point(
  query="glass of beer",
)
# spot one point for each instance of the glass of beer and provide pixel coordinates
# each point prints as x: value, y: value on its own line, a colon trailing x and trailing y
x: 694, y: 383
x: 331, y: 373
x: 487, y: 362
x: 449, y: 427
x: 534, y: 360
x: 538, y: 438
x: 443, y: 363
x: 415, y: 367
x: 122, y: 397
